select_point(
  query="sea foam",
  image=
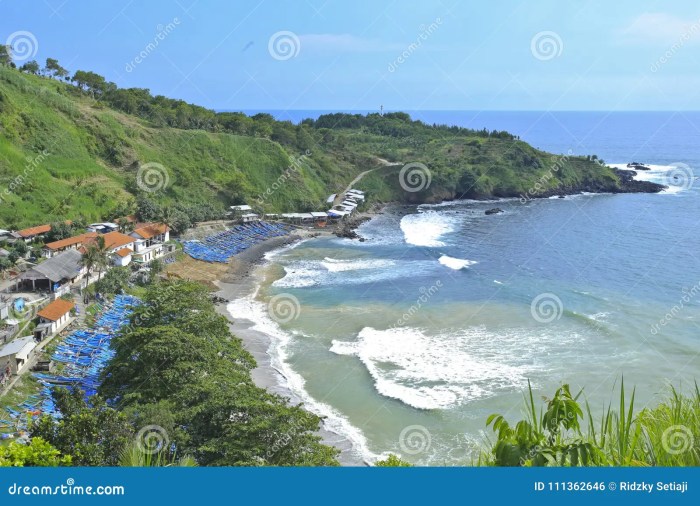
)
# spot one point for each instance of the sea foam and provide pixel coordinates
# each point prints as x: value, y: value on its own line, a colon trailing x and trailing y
x: 426, y: 228
x: 455, y: 263
x: 431, y: 371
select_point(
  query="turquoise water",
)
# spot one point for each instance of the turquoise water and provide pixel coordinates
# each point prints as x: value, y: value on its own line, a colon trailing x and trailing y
x: 408, y: 341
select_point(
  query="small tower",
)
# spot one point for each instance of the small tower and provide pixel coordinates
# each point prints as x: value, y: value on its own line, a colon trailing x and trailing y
x: 381, y: 110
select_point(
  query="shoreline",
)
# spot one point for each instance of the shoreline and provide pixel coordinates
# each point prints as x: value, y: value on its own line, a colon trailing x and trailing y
x: 241, y: 283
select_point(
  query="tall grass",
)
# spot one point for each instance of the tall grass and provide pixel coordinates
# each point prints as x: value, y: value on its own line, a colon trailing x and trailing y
x: 565, y: 434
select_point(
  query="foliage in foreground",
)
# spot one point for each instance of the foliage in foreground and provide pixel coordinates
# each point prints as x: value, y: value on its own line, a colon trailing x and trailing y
x: 177, y: 367
x: 37, y: 453
x: 665, y: 435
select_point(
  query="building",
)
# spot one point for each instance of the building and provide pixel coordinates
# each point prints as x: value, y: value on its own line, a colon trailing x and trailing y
x: 76, y: 242
x: 250, y: 217
x: 55, y: 274
x: 15, y: 356
x: 53, y: 318
x: 149, y: 240
x: 103, y: 228
x: 31, y: 233
x: 331, y: 198
x: 122, y: 257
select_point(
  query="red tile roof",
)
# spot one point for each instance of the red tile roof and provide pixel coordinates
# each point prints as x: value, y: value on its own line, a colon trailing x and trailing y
x: 32, y: 231
x: 39, y: 229
x: 71, y: 241
x: 56, y: 309
x: 113, y: 240
x: 124, y: 252
x: 150, y: 230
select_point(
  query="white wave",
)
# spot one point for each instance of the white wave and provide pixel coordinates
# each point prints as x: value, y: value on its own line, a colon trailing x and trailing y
x: 335, y: 265
x: 426, y: 228
x: 307, y: 273
x: 333, y: 421
x: 440, y: 371
x: 456, y: 263
x: 656, y: 174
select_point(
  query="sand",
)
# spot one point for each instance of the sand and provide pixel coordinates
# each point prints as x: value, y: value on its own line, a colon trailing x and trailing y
x: 241, y: 279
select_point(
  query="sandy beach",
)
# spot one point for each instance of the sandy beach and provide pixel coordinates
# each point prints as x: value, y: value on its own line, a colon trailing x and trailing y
x: 241, y: 280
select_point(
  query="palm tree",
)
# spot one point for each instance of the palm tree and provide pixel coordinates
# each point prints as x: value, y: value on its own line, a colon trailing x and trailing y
x: 95, y: 257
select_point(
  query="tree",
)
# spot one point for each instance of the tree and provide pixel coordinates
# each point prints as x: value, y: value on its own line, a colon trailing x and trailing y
x: 93, y: 434
x: 60, y: 230
x: 54, y: 68
x: 115, y: 281
x: 95, y: 257
x: 156, y: 267
x: 205, y: 383
x: 37, y: 453
x: 21, y: 248
x: 32, y: 67
x: 5, y: 55
x: 5, y: 263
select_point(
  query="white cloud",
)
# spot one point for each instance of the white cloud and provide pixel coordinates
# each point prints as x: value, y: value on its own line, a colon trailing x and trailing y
x: 655, y: 27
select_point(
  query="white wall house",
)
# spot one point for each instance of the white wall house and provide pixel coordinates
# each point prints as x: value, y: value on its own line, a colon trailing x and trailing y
x: 15, y: 355
x: 56, y: 315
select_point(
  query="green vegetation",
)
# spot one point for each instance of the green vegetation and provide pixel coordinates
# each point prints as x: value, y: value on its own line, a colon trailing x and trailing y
x: 665, y: 435
x: 178, y: 367
x: 82, y: 151
x: 94, y: 435
x: 37, y: 453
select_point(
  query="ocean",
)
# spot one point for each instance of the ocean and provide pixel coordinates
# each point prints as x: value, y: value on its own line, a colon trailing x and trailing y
x: 408, y: 341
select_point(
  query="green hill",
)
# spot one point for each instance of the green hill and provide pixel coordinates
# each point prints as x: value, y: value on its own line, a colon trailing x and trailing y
x: 70, y: 151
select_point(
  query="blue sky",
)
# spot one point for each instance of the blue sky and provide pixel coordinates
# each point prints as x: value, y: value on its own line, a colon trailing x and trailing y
x: 411, y: 55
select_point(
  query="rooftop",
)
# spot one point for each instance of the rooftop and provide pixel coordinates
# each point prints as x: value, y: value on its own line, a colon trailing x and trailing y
x: 124, y: 252
x: 150, y: 230
x: 17, y: 346
x: 70, y: 241
x: 32, y: 231
x: 56, y: 309
x: 65, y: 265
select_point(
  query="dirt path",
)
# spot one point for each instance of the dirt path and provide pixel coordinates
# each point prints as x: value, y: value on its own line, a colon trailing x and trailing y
x: 384, y: 163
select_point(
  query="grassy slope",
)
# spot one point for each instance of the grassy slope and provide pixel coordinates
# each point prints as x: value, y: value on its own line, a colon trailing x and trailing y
x: 95, y: 153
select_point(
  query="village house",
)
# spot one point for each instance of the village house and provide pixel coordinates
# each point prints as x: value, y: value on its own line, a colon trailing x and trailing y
x: 55, y: 274
x: 53, y: 318
x: 149, y: 242
x: 15, y: 356
x: 32, y: 233
x: 53, y: 248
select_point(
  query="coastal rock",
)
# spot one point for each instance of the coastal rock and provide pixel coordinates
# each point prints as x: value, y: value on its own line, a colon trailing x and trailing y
x: 495, y: 210
x: 637, y: 166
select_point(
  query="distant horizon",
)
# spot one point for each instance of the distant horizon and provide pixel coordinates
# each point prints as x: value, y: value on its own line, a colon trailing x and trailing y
x: 541, y: 56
